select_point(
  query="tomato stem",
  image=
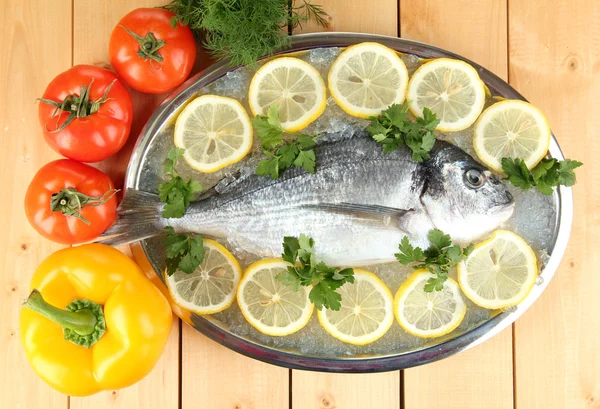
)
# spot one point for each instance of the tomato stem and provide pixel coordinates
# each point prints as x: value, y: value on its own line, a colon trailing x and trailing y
x: 70, y: 202
x: 149, y: 46
x: 78, y: 106
x: 82, y: 321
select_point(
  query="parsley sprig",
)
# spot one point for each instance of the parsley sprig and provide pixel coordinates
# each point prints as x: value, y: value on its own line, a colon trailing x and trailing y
x: 306, y: 272
x: 176, y: 192
x: 544, y: 176
x: 283, y: 153
x: 185, y: 252
x: 438, y: 258
x: 393, y: 129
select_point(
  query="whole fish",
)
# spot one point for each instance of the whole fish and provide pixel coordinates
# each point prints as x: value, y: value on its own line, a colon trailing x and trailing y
x: 357, y: 207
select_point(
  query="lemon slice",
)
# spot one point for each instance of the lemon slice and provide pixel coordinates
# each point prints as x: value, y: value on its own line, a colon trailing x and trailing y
x: 214, y: 131
x: 367, y: 78
x: 295, y: 86
x: 428, y: 315
x: 513, y: 129
x: 211, y: 287
x: 366, y: 312
x: 451, y: 89
x: 500, y: 272
x: 269, y: 305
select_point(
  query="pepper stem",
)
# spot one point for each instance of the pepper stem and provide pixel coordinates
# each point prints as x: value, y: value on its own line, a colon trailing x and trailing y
x: 82, y: 321
x: 149, y: 46
x: 70, y: 202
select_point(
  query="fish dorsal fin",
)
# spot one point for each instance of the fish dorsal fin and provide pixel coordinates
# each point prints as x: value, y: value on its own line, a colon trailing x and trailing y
x: 388, y: 216
x: 226, y: 184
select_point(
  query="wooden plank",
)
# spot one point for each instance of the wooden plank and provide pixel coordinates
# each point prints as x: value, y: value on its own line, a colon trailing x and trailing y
x: 374, y: 16
x: 93, y: 24
x: 215, y: 377
x: 345, y: 391
x: 478, y: 378
x: 554, y: 63
x: 322, y: 390
x: 476, y: 30
x: 35, y: 36
x: 463, y: 381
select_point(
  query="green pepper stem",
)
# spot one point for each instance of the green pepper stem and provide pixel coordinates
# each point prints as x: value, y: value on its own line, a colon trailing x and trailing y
x: 82, y: 322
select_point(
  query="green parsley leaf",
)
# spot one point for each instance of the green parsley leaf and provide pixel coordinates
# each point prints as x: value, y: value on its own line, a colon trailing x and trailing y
x: 408, y: 254
x: 566, y: 174
x: 438, y: 258
x: 172, y: 157
x: 454, y: 254
x: 305, y: 141
x: 287, y: 155
x: 291, y: 245
x: 269, y: 128
x: 345, y: 275
x: 393, y: 129
x: 305, y: 252
x: 306, y: 160
x: 284, y: 152
x: 435, y: 283
x: 544, y: 176
x: 322, y: 295
x: 176, y: 193
x: 468, y: 250
x: 268, y: 167
x: 438, y: 239
x: 289, y: 279
x: 305, y: 271
x: 429, y: 120
x: 185, y: 252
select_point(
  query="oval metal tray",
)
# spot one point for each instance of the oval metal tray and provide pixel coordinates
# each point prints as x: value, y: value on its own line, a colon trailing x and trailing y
x: 434, y: 350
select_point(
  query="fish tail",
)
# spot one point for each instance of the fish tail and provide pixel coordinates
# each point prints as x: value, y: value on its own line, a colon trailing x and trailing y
x: 139, y: 217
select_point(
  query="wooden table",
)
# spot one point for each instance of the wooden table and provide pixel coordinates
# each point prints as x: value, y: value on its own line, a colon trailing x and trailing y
x: 549, y: 50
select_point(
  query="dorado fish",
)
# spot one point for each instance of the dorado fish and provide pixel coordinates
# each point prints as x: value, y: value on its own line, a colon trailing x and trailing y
x: 357, y: 206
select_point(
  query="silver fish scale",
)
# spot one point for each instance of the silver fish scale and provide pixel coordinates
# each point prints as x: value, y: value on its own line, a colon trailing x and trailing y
x: 256, y: 213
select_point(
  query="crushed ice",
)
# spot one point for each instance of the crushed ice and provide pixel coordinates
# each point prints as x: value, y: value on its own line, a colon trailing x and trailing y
x: 534, y: 218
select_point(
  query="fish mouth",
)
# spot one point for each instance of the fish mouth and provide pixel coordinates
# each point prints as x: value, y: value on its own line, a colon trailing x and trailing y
x: 503, y: 211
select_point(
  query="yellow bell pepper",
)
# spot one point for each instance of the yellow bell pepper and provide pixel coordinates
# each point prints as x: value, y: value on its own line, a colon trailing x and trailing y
x: 93, y: 321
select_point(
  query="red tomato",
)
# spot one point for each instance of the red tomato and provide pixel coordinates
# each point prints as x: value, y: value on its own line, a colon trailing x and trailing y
x: 53, y: 197
x: 148, y: 53
x: 86, y: 113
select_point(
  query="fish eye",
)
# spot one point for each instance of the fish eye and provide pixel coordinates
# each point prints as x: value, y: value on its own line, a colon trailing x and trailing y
x: 474, y: 178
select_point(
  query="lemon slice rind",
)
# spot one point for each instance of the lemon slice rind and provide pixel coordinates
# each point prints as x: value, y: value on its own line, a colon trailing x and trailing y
x: 274, y: 266
x: 206, y: 285
x: 384, y: 325
x: 233, y: 134
x: 397, y: 91
x: 264, y: 81
x: 490, y: 121
x: 452, y: 68
x: 416, y: 282
x: 518, y: 248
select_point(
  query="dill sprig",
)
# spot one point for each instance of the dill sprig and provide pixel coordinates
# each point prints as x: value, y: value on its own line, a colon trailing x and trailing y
x: 244, y: 30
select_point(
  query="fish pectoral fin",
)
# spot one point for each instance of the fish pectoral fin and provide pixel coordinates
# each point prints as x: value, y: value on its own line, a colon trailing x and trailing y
x: 388, y: 216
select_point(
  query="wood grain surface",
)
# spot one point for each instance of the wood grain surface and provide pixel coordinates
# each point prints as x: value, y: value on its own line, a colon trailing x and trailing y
x: 36, y: 43
x: 555, y: 62
x: 549, y: 50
